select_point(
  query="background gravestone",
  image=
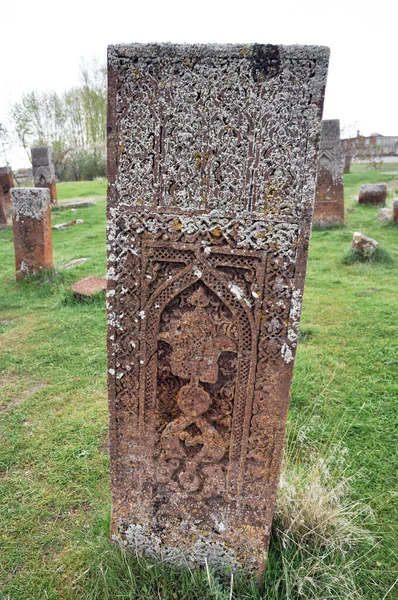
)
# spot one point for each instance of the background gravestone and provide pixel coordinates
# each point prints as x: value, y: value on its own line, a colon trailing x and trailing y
x: 31, y: 222
x: 372, y: 193
x: 43, y: 170
x: 6, y: 183
x: 329, y: 197
x: 211, y: 167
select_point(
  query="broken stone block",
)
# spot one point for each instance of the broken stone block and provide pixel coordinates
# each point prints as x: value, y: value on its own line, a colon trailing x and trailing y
x: 89, y: 286
x: 395, y: 211
x: 44, y: 170
x: 363, y: 244
x: 372, y: 193
x: 31, y: 222
x: 212, y: 169
x: 329, y: 197
x: 6, y: 183
x: 68, y: 224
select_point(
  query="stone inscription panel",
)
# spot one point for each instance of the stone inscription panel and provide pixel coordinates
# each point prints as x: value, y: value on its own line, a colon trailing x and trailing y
x: 212, y: 161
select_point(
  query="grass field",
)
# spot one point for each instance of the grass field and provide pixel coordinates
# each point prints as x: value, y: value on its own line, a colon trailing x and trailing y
x: 55, y: 496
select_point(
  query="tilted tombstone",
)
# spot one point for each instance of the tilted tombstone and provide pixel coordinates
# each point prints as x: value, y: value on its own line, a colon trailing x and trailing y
x: 6, y: 183
x: 329, y: 197
x: 211, y: 167
x: 31, y: 222
x: 44, y: 170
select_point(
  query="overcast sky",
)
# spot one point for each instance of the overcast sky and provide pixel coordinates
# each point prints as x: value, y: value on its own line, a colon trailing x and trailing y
x: 42, y: 43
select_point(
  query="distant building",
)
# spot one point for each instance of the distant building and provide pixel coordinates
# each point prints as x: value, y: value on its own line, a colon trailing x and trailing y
x: 386, y: 145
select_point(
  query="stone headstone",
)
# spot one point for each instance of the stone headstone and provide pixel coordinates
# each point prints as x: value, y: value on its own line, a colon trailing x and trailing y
x: 211, y: 167
x: 395, y: 211
x: 347, y: 162
x: 31, y: 221
x: 43, y: 170
x: 329, y: 197
x: 372, y: 193
x: 6, y: 183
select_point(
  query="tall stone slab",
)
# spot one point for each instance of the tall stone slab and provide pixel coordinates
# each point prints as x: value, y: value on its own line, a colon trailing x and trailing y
x: 329, y: 198
x: 31, y: 222
x: 44, y: 170
x: 6, y: 183
x: 212, y: 164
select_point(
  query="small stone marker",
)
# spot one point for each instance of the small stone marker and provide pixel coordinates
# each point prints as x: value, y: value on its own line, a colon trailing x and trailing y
x: 31, y: 221
x: 68, y: 224
x: 211, y: 167
x: 6, y: 183
x: 89, y: 286
x: 329, y: 197
x: 43, y: 170
x: 363, y: 244
x: 372, y: 193
x: 395, y: 211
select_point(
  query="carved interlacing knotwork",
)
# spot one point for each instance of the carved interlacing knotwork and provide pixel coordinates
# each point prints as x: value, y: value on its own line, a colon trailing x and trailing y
x: 211, y: 182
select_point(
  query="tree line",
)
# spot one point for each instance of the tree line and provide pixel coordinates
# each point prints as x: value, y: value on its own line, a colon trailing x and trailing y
x: 73, y: 123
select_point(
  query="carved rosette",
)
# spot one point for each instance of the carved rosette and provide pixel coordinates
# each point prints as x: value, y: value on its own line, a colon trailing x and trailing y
x: 211, y: 181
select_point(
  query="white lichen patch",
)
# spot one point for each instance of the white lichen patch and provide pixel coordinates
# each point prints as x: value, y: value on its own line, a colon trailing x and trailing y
x: 29, y: 202
x: 287, y: 353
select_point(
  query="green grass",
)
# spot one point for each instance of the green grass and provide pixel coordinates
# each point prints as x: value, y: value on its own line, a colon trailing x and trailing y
x: 54, y: 470
x: 81, y: 189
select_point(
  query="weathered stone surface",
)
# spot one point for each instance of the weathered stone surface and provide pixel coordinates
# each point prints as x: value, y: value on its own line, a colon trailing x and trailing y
x: 89, y: 286
x: 372, y: 193
x: 329, y: 197
x: 211, y: 170
x: 6, y: 183
x: 31, y: 222
x: 363, y: 244
x: 43, y: 170
x: 395, y: 211
x: 68, y: 224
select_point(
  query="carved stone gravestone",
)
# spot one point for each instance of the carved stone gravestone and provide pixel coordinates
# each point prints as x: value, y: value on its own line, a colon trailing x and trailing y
x: 347, y: 162
x: 43, y: 170
x: 31, y: 222
x: 212, y: 164
x: 329, y: 197
x: 6, y: 183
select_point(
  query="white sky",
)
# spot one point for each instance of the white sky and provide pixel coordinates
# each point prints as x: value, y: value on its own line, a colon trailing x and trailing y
x: 42, y: 43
